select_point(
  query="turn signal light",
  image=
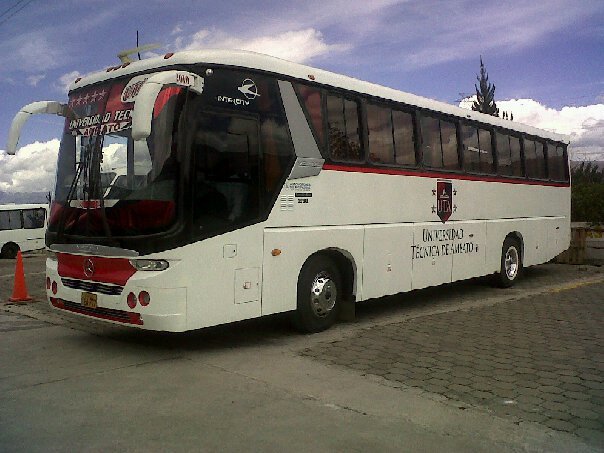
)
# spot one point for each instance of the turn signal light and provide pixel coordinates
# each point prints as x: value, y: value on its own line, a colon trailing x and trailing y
x: 131, y: 300
x: 47, y: 282
x: 54, y: 288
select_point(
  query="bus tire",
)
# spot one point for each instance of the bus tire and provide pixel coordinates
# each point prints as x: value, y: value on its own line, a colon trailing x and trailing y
x: 9, y: 250
x: 320, y: 291
x: 511, y: 263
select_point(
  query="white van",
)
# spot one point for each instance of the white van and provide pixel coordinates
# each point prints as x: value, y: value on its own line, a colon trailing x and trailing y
x: 22, y: 227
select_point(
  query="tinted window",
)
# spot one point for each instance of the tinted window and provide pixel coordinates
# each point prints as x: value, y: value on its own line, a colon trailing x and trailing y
x: 534, y: 159
x: 516, y: 156
x: 471, y: 151
x: 504, y: 161
x: 311, y: 99
x: 431, y: 149
x: 404, y: 148
x: 379, y: 128
x: 34, y: 218
x: 439, y: 143
x: 448, y: 134
x: 4, y: 222
x: 557, y: 162
x: 226, y: 187
x: 10, y: 220
x: 343, y: 129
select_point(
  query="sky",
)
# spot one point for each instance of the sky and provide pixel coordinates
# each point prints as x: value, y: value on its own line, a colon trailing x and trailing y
x: 545, y: 57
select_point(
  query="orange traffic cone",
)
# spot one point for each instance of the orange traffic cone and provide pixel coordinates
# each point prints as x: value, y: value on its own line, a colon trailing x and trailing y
x: 19, y: 290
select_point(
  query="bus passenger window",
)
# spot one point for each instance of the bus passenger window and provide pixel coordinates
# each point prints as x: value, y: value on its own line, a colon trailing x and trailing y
x: 515, y: 156
x: 431, y: 150
x: 471, y: 150
x: 11, y: 220
x: 33, y: 218
x: 343, y: 129
x: 486, y: 151
x: 556, y: 162
x: 448, y: 135
x: 504, y: 162
x: 379, y: 127
x: 404, y: 148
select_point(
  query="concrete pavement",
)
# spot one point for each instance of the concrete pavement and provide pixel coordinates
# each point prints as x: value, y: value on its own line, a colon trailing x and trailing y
x: 450, y: 368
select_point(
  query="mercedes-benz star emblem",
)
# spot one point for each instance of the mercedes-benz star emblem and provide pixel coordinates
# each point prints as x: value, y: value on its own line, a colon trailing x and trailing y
x: 249, y: 89
x: 88, y: 267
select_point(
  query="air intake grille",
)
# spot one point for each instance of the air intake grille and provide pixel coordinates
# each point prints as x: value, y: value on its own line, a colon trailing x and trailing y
x: 93, y: 287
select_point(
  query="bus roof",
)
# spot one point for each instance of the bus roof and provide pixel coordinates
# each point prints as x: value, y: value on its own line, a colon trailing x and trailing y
x: 266, y: 63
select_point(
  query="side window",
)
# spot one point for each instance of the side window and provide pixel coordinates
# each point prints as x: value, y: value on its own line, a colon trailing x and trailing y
x: 34, y: 218
x: 343, y: 129
x: 4, y: 222
x: 557, y: 162
x: 504, y: 161
x: 541, y: 164
x: 534, y: 159
x: 431, y: 149
x: 311, y: 100
x: 516, y: 156
x: 486, y: 151
x: 530, y: 158
x: 379, y: 128
x: 448, y: 134
x: 404, y: 145
x: 471, y: 150
x: 439, y: 143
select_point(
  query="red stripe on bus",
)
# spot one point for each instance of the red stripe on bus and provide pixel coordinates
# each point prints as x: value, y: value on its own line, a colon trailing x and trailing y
x: 104, y: 270
x: 425, y: 174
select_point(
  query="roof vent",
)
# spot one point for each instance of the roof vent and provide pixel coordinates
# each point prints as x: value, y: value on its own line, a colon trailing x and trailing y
x: 124, y: 55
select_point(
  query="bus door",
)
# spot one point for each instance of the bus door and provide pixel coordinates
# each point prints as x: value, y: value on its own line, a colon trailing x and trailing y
x: 226, y: 200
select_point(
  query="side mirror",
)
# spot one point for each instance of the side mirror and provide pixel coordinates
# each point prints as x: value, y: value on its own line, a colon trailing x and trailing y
x: 145, y: 100
x: 51, y: 107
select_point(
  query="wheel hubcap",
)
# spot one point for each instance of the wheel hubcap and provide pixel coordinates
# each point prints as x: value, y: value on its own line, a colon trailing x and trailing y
x: 511, y: 263
x: 323, y: 294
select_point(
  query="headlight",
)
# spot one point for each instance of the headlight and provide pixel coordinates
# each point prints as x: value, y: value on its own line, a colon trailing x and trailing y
x: 150, y: 265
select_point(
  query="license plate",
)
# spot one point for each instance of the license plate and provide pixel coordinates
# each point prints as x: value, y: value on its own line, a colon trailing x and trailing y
x: 89, y: 300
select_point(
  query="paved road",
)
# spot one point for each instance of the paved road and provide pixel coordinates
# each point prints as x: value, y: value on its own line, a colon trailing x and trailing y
x: 463, y: 367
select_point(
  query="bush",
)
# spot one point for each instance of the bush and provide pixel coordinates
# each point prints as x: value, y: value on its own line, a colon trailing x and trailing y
x: 587, y: 203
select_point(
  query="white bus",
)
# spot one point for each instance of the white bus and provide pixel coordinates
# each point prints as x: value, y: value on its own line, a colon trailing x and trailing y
x: 22, y: 227
x: 275, y: 187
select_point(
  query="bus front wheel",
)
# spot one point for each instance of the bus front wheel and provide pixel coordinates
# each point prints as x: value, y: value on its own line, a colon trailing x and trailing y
x: 9, y: 250
x: 511, y: 263
x: 319, y: 293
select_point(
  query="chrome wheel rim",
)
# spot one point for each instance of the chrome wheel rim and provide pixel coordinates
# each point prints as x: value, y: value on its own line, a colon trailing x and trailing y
x: 511, y: 263
x: 323, y: 294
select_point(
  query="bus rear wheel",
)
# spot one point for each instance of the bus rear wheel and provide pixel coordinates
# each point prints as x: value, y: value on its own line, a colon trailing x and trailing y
x: 511, y: 263
x: 9, y: 250
x: 319, y: 293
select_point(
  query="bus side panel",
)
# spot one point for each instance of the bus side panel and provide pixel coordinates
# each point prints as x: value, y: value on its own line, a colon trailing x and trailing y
x: 387, y: 260
x: 281, y: 270
x: 431, y: 263
x: 543, y: 239
x: 225, y: 277
x: 469, y: 250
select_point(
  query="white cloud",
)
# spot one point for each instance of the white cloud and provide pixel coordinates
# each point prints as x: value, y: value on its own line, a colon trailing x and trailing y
x: 33, y: 80
x: 584, y: 125
x: 66, y: 80
x: 31, y: 169
x: 298, y: 46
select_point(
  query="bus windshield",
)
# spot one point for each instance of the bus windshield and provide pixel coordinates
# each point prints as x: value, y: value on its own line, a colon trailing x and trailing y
x: 108, y: 185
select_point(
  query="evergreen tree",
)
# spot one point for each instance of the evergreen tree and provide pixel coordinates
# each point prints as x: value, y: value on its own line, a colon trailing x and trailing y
x: 485, y: 95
